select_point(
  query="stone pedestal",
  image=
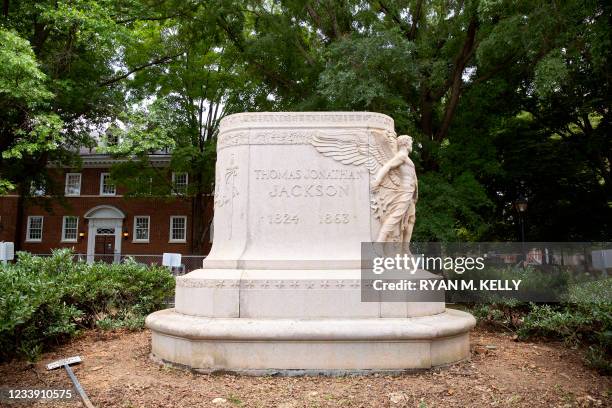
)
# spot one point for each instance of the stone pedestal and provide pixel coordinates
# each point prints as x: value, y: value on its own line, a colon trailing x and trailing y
x: 280, y: 290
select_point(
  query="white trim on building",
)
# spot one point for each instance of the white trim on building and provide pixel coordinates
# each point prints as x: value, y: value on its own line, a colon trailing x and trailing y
x: 179, y: 186
x: 73, y: 229
x: 178, y: 228
x: 107, y: 188
x: 38, y: 229
x: 72, y: 187
x: 137, y: 227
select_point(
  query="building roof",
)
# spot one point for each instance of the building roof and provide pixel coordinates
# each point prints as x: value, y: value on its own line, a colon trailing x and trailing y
x: 106, y: 160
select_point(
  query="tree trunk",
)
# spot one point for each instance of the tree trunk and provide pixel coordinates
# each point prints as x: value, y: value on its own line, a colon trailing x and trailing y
x: 198, y: 224
x: 451, y: 107
x: 467, y: 52
x: 426, y: 121
x: 428, y: 160
x: 21, y: 202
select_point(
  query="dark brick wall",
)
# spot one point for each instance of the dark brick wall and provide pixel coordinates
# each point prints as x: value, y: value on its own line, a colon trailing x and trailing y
x: 53, y: 209
x: 8, y: 217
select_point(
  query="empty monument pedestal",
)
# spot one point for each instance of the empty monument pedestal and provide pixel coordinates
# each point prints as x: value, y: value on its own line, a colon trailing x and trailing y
x: 309, y: 321
x: 296, y: 194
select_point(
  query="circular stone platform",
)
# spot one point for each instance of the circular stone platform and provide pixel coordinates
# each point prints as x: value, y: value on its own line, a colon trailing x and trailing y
x: 281, y: 289
x: 325, y: 346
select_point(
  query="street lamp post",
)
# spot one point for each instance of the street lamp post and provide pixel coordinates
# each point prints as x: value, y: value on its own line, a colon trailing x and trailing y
x: 521, y: 207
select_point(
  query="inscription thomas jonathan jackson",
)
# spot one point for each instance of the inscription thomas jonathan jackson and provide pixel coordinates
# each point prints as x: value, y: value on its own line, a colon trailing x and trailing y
x: 297, y: 183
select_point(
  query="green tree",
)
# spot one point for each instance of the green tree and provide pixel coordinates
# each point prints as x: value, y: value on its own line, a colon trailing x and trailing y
x: 559, y: 147
x: 28, y: 127
x: 63, y: 79
x: 178, y: 105
x: 502, y: 97
x: 425, y: 64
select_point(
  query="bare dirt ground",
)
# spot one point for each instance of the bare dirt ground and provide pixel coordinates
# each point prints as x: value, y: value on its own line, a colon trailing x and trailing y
x: 117, y: 372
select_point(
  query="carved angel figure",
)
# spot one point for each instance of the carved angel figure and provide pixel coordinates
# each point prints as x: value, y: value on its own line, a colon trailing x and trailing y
x: 394, y: 188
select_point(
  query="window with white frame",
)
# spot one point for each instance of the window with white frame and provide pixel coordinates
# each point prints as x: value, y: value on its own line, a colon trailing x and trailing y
x: 141, y: 228
x: 34, y: 228
x: 70, y: 228
x: 73, y: 184
x: 178, y: 229
x: 179, y: 183
x: 106, y: 187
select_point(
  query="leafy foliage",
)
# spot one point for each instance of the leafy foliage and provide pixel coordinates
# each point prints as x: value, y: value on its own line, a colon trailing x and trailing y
x: 504, y: 99
x: 451, y: 209
x: 46, y: 300
x: 583, y: 318
x: 24, y: 102
x: 55, y: 55
x: 459, y: 77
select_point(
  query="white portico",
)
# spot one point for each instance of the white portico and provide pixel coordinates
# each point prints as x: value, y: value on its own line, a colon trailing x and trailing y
x: 105, y: 223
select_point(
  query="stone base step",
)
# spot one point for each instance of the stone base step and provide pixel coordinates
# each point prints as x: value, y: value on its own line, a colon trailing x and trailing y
x: 293, y: 294
x: 325, y: 346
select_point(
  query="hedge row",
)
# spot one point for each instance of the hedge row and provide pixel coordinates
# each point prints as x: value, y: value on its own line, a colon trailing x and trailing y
x: 45, y: 301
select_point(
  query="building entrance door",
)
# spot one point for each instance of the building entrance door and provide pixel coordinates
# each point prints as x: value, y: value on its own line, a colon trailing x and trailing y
x: 105, y: 224
x: 104, y: 248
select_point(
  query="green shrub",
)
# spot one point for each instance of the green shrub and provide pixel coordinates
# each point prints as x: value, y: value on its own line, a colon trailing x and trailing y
x: 505, y: 312
x: 535, y: 284
x: 583, y: 318
x: 597, y: 357
x: 46, y: 300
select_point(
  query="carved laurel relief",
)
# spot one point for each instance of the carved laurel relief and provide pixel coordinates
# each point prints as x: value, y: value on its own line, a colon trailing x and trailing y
x: 256, y: 284
x: 308, y: 118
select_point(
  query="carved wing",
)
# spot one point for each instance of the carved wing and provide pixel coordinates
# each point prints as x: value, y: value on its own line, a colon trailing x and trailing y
x: 372, y: 151
x: 373, y: 154
x: 345, y: 151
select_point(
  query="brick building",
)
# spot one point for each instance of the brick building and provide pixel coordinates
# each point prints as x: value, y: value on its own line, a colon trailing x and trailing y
x: 97, y: 220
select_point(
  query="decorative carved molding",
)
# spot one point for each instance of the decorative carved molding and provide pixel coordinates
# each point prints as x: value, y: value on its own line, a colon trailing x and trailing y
x: 228, y: 139
x: 258, y: 284
x: 285, y: 137
x: 310, y: 119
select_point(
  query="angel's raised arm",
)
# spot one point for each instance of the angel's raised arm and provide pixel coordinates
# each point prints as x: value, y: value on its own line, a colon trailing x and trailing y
x: 382, y: 172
